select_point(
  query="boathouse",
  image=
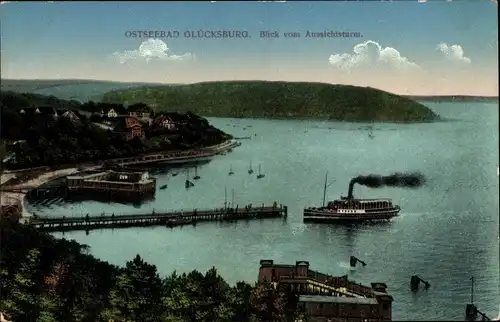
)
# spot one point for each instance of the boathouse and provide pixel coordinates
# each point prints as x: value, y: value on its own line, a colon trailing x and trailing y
x: 113, y: 184
x: 324, y: 297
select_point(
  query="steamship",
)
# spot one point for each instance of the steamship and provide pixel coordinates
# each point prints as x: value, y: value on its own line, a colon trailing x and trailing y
x: 351, y: 210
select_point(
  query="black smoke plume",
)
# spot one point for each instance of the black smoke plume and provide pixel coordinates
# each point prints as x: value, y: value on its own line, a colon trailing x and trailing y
x: 401, y: 180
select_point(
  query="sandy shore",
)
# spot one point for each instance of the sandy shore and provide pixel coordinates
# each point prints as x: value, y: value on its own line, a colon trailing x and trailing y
x: 17, y: 198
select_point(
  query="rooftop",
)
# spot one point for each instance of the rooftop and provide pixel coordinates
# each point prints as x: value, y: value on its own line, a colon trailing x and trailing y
x: 114, y: 176
x: 139, y: 108
x: 337, y: 299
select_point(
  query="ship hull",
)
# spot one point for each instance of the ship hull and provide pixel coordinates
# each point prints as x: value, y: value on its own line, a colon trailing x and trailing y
x: 323, y: 216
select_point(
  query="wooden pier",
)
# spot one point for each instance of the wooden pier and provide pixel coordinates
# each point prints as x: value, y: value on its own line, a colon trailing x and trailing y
x: 58, y: 224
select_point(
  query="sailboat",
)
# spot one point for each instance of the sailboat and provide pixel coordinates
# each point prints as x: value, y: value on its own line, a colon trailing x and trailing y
x: 225, y: 197
x: 196, y: 176
x: 250, y: 170
x: 231, y: 172
x: 260, y: 175
x: 370, y: 134
x: 188, y: 184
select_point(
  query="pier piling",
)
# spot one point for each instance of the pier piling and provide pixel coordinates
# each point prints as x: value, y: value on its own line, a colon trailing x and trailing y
x: 471, y: 310
x: 354, y: 260
x: 415, y: 282
x: 471, y: 313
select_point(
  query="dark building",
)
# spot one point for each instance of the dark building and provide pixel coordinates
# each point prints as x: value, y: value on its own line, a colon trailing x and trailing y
x: 329, y: 298
x: 139, y: 110
x: 109, y: 185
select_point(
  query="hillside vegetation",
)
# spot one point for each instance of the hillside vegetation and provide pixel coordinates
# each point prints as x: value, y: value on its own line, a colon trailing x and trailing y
x: 14, y: 101
x: 456, y: 98
x: 68, y: 89
x: 260, y: 99
x: 49, y: 141
x: 47, y: 279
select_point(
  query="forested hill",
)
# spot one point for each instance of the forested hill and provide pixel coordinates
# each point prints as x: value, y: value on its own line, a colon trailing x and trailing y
x: 262, y: 99
x: 16, y: 101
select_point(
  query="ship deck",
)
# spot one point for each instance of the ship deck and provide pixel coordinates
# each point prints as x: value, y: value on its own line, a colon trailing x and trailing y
x: 325, y: 215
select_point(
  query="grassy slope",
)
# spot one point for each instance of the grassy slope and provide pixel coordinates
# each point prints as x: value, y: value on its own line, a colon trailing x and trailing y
x: 279, y: 100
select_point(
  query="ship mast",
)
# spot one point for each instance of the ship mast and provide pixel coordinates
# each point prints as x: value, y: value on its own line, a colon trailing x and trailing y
x: 324, y: 189
x: 232, y: 198
x: 225, y: 197
x: 326, y: 186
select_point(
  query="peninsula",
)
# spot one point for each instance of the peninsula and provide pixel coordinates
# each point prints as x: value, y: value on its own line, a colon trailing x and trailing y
x: 45, y: 131
x: 264, y: 99
x: 455, y: 98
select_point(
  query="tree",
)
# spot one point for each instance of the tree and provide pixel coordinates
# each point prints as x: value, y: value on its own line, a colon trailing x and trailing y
x: 137, y: 293
x: 240, y: 303
x: 12, y: 125
x: 268, y: 303
x: 47, y: 280
x: 19, y: 296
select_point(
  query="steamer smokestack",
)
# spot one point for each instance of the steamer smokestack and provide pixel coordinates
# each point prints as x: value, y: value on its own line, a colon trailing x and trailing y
x: 351, y: 188
x: 401, y: 180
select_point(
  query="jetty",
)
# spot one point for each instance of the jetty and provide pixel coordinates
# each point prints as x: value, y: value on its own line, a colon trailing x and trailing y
x: 103, y: 221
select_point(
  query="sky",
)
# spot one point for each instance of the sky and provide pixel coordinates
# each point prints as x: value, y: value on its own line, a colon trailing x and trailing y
x: 433, y: 47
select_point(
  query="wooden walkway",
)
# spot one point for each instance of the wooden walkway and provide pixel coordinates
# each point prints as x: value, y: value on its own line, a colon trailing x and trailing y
x: 176, y: 218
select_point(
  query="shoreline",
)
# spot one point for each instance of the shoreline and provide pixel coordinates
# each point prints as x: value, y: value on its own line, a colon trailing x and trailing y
x: 176, y: 155
x: 18, y: 198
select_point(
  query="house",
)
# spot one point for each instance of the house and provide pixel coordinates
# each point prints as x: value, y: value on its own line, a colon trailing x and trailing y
x: 68, y: 114
x: 163, y: 121
x: 324, y: 297
x: 29, y: 111
x: 129, y: 128
x: 141, y: 111
x: 342, y: 308
x: 113, y: 111
x: 47, y: 111
x: 29, y: 114
x: 42, y: 115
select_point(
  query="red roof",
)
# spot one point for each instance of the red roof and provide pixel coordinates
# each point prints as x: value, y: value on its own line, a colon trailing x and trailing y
x: 124, y: 123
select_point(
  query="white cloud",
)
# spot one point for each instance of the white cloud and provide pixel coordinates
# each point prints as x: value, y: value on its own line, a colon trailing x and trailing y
x: 371, y: 54
x: 453, y: 53
x: 151, y: 49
